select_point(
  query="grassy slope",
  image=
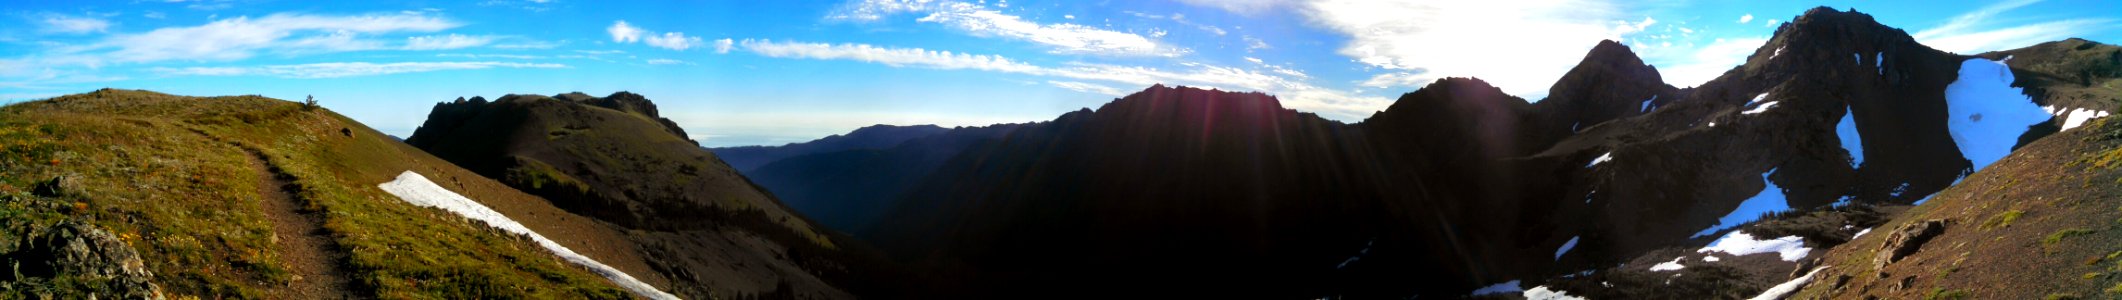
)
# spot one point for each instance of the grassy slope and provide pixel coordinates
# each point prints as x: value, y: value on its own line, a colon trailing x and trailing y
x: 2042, y: 222
x: 160, y: 171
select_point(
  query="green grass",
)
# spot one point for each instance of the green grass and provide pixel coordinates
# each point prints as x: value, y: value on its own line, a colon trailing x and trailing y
x: 160, y: 172
x: 2059, y: 235
x: 1942, y: 293
x: 2002, y: 219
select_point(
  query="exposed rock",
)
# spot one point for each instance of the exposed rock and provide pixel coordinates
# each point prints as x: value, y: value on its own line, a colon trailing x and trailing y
x: 1907, y: 240
x: 50, y: 188
x: 82, y: 251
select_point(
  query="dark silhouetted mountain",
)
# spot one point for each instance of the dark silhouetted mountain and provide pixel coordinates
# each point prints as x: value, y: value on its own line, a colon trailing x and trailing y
x: 1457, y: 184
x: 874, y: 137
x: 848, y: 189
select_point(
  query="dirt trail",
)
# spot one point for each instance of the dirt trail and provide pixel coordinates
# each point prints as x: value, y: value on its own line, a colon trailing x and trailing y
x: 308, y: 254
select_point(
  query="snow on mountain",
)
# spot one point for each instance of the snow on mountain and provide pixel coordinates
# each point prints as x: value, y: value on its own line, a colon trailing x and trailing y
x: 1769, y: 199
x: 417, y: 190
x: 1739, y: 243
x: 1851, y: 140
x: 1986, y: 115
x: 1572, y: 243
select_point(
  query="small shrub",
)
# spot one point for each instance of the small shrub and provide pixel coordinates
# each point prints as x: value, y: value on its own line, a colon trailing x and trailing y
x: 1941, y: 293
x: 2003, y: 219
x: 2058, y: 237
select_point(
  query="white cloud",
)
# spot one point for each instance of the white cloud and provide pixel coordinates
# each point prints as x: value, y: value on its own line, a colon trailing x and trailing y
x: 1088, y: 88
x: 57, y: 23
x: 1294, y: 93
x: 665, y: 61
x: 1252, y: 43
x: 153, y: 15
x: 624, y: 33
x: 441, y: 42
x: 346, y: 69
x: 672, y: 40
x: 480, y: 56
x: 978, y: 20
x: 1746, y: 18
x: 1696, y: 66
x: 1255, y: 60
x: 897, y: 57
x: 1772, y: 22
x: 1241, y: 7
x: 233, y: 39
x: 722, y: 45
x: 1520, y: 46
x: 1974, y: 32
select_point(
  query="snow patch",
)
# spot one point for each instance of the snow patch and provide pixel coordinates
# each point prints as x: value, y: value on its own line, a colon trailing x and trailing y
x: 1602, y: 158
x: 1860, y: 233
x: 1769, y: 199
x: 417, y: 190
x: 1711, y: 258
x: 1879, y: 61
x: 1851, y: 140
x: 1759, y: 109
x: 1786, y: 288
x: 1647, y: 102
x: 2072, y: 118
x: 1739, y: 243
x: 1542, y: 293
x: 1855, y: 58
x: 1779, y: 52
x: 1758, y: 98
x: 1505, y: 287
x: 1669, y: 266
x: 1572, y: 243
x: 1985, y: 113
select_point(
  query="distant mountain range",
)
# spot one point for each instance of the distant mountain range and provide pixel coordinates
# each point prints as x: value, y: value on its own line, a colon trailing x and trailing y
x: 1843, y: 159
x: 1458, y: 185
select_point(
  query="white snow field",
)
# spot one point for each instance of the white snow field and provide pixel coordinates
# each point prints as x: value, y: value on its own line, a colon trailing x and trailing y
x: 1851, y: 140
x: 1786, y: 288
x: 1670, y: 265
x: 1769, y: 199
x: 1739, y: 243
x: 1985, y: 114
x: 1542, y: 293
x: 1602, y: 158
x: 417, y: 190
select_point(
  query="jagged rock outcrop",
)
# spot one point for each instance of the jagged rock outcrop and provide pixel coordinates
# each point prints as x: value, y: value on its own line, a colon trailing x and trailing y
x: 84, y: 254
x: 1906, y: 240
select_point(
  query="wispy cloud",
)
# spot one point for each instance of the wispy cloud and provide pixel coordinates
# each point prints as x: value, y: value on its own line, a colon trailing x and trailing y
x: 243, y: 37
x: 68, y: 24
x: 666, y: 61
x: 1977, y: 31
x: 451, y: 41
x: 1746, y: 18
x: 978, y: 20
x: 1242, y: 7
x: 1088, y: 88
x: 622, y: 32
x: 1294, y: 92
x: 1696, y: 66
x: 1520, y: 46
x: 898, y: 57
x: 346, y: 69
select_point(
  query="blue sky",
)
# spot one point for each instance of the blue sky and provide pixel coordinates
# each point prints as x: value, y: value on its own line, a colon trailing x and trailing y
x: 771, y: 72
